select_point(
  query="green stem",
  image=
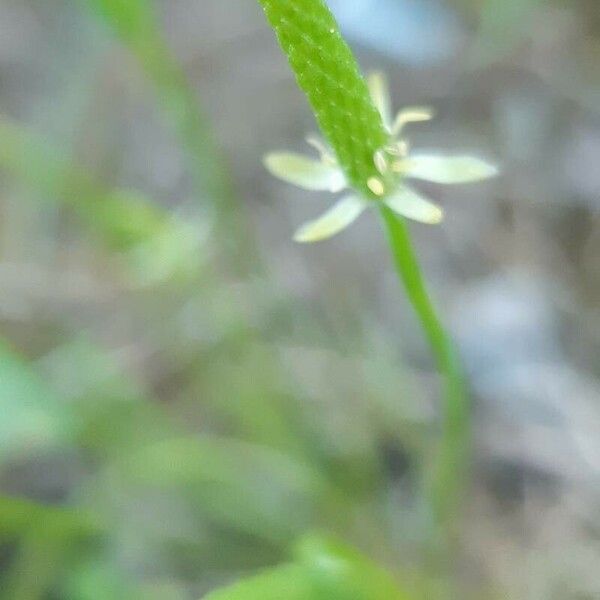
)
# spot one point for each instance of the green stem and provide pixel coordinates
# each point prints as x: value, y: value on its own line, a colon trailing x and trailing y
x: 451, y: 467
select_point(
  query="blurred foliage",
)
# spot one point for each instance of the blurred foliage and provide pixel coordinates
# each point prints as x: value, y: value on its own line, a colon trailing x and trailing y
x: 322, y: 569
x: 166, y: 427
x: 137, y: 25
x: 155, y: 244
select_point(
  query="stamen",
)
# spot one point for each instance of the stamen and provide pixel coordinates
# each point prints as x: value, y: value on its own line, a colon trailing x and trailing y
x: 380, y: 95
x: 380, y: 161
x: 376, y: 186
x: 319, y: 145
x: 411, y: 115
x: 399, y: 148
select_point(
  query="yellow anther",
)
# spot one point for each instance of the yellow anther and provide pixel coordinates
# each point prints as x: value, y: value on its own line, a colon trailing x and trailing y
x: 376, y: 186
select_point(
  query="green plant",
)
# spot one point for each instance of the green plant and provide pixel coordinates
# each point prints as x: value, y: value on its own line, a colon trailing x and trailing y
x: 369, y: 154
x: 216, y: 446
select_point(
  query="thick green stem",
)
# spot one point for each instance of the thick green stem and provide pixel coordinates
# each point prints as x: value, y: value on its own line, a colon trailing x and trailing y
x: 450, y: 473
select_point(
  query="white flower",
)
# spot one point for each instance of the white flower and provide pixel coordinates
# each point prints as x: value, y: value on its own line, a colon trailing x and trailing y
x: 394, y: 163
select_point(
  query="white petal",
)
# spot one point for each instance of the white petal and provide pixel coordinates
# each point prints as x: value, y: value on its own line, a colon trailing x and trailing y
x: 343, y: 213
x: 408, y: 203
x: 414, y: 114
x: 447, y: 169
x: 380, y: 95
x: 305, y: 172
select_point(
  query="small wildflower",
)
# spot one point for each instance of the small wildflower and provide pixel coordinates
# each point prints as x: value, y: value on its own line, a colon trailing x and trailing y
x: 394, y: 163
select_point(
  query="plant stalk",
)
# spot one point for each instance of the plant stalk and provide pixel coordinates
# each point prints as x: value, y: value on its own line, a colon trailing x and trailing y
x: 452, y: 459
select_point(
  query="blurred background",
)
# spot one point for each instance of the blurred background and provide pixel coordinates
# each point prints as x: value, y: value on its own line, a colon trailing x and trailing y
x: 184, y: 392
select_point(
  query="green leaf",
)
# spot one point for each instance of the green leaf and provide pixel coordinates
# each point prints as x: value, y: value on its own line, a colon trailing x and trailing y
x: 323, y: 570
x: 18, y: 515
x: 133, y: 19
x: 339, y: 572
x: 32, y: 416
x: 288, y: 582
x: 228, y: 479
x: 92, y: 384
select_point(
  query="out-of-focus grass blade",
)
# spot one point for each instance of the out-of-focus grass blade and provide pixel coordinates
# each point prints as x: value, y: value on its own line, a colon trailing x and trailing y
x: 134, y: 20
x: 156, y: 243
x: 136, y: 23
x: 323, y: 570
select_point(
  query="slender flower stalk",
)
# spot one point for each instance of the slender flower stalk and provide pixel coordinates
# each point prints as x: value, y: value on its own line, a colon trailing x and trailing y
x: 365, y: 152
x: 451, y: 467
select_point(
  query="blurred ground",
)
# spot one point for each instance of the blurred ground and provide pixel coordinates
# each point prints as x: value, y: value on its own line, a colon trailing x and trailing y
x: 134, y: 361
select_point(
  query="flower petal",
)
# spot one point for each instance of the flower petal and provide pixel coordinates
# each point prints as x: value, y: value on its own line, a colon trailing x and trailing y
x: 447, y: 169
x: 343, y: 213
x: 380, y: 94
x: 305, y: 172
x: 408, y: 203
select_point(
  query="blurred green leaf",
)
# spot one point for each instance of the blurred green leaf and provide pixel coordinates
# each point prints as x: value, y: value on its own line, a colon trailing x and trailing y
x: 32, y: 416
x: 288, y: 582
x: 235, y: 483
x: 37, y: 565
x: 323, y: 570
x: 102, y: 579
x: 44, y: 535
x: 133, y: 19
x: 341, y: 573
x: 18, y: 515
x: 157, y: 244
x: 99, y: 394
